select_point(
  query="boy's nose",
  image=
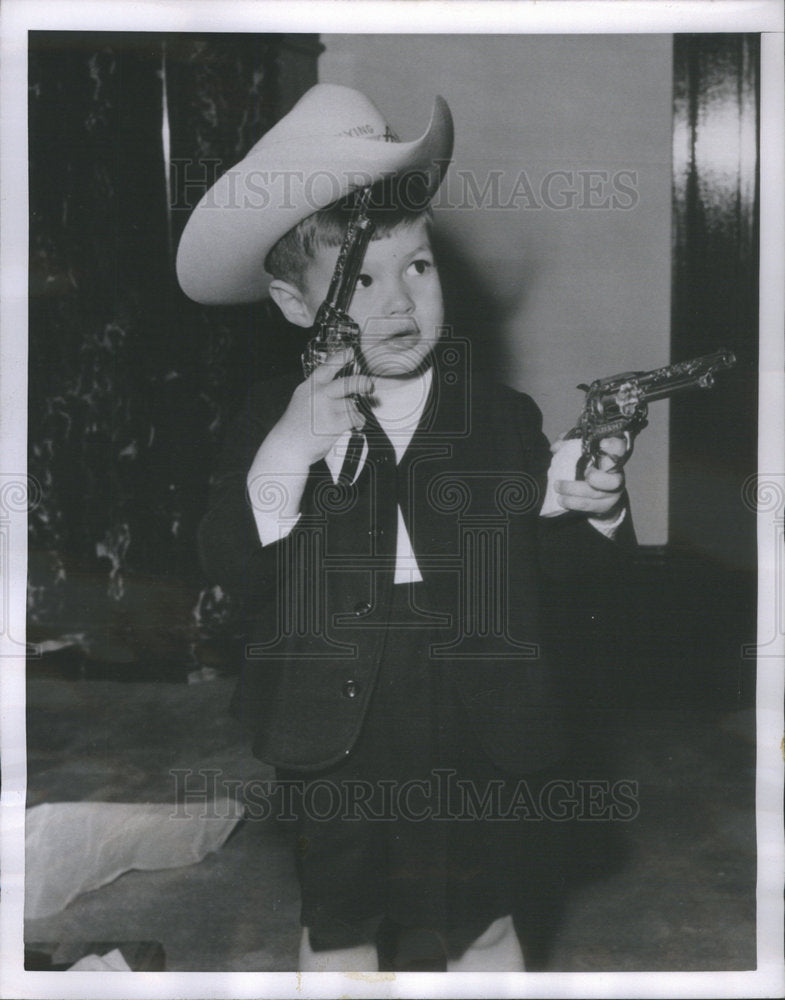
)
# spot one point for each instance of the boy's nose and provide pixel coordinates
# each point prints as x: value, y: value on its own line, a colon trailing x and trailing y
x: 398, y: 299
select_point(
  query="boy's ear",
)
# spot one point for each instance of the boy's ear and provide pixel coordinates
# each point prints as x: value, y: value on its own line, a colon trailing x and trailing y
x: 291, y: 302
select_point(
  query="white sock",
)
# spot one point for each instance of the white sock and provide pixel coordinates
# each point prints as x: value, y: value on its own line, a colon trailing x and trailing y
x: 496, y: 950
x: 360, y: 958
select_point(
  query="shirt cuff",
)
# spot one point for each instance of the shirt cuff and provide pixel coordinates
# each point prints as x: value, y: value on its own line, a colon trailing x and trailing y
x: 271, y: 528
x: 565, y: 459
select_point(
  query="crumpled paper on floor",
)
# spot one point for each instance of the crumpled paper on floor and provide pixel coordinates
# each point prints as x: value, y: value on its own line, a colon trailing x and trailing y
x: 112, y: 961
x: 75, y: 847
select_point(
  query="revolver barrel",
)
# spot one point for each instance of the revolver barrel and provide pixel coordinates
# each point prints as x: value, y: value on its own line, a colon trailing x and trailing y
x: 619, y: 404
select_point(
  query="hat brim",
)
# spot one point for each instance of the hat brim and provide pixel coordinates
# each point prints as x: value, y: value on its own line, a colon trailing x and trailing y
x: 220, y: 259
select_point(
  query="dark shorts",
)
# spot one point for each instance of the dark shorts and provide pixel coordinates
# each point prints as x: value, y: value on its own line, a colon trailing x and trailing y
x: 412, y: 826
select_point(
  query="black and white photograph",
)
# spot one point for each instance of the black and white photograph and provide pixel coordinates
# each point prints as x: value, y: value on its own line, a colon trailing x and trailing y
x: 393, y: 500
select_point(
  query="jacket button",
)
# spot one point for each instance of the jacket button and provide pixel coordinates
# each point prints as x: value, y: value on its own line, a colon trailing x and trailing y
x: 363, y: 608
x: 351, y: 689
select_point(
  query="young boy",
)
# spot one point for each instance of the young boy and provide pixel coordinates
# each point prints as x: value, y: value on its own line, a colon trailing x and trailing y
x: 393, y: 672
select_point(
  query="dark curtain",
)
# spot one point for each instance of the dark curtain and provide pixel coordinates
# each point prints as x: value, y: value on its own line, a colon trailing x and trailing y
x: 130, y: 383
x: 715, y: 290
x: 696, y: 612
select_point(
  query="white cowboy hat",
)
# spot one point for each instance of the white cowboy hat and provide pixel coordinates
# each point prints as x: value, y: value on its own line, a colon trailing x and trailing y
x: 333, y: 141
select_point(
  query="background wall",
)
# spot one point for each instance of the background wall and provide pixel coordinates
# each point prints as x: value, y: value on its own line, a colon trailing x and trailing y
x: 564, y: 274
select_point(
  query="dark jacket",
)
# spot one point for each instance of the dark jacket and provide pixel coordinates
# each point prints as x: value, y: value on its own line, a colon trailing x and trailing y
x: 469, y: 485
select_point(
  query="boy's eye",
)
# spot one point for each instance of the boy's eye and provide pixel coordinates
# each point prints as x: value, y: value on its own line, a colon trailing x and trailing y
x: 364, y: 280
x: 420, y: 266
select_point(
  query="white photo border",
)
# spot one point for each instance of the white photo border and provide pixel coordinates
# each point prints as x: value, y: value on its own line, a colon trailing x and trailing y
x: 383, y: 16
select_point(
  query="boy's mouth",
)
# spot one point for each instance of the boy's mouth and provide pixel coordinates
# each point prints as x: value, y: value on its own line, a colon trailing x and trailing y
x: 407, y: 336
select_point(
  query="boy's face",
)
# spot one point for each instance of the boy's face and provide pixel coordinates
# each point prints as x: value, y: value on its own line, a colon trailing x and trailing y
x: 397, y: 303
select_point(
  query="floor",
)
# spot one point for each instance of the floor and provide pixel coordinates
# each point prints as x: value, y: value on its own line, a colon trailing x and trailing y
x: 671, y: 889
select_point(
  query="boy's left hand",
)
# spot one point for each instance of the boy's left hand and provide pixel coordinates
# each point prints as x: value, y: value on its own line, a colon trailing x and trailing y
x: 599, y: 493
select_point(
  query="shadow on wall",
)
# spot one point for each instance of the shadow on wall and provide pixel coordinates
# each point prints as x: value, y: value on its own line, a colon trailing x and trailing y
x: 472, y: 311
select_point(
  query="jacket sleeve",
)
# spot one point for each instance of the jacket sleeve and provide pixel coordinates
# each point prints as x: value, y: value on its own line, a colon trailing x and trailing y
x: 231, y: 553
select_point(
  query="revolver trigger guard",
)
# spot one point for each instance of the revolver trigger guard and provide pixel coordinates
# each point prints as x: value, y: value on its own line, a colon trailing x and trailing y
x: 596, y: 454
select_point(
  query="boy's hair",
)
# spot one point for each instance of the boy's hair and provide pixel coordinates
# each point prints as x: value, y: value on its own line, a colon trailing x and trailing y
x: 294, y: 251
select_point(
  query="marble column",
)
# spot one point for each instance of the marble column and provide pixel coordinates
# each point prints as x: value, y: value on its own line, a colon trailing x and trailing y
x: 130, y: 382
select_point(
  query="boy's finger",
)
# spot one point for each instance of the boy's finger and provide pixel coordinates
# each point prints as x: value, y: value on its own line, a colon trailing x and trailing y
x: 326, y: 373
x: 616, y: 446
x: 356, y: 385
x: 352, y: 385
x: 580, y: 488
x: 590, y: 505
x: 609, y: 482
x: 615, y: 452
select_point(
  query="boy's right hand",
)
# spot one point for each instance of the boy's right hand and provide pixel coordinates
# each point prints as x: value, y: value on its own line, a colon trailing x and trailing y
x: 322, y: 408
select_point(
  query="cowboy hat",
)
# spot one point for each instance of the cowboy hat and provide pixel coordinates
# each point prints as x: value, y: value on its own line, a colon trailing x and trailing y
x: 333, y: 141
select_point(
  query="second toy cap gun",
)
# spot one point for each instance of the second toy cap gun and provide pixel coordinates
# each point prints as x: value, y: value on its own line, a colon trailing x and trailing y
x: 617, y: 406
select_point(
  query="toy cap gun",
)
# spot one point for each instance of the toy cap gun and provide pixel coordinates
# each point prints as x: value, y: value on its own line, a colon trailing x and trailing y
x: 334, y: 328
x: 617, y: 406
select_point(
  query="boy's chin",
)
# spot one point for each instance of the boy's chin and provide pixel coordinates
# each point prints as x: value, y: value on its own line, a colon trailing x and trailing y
x: 399, y: 372
x: 399, y: 366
